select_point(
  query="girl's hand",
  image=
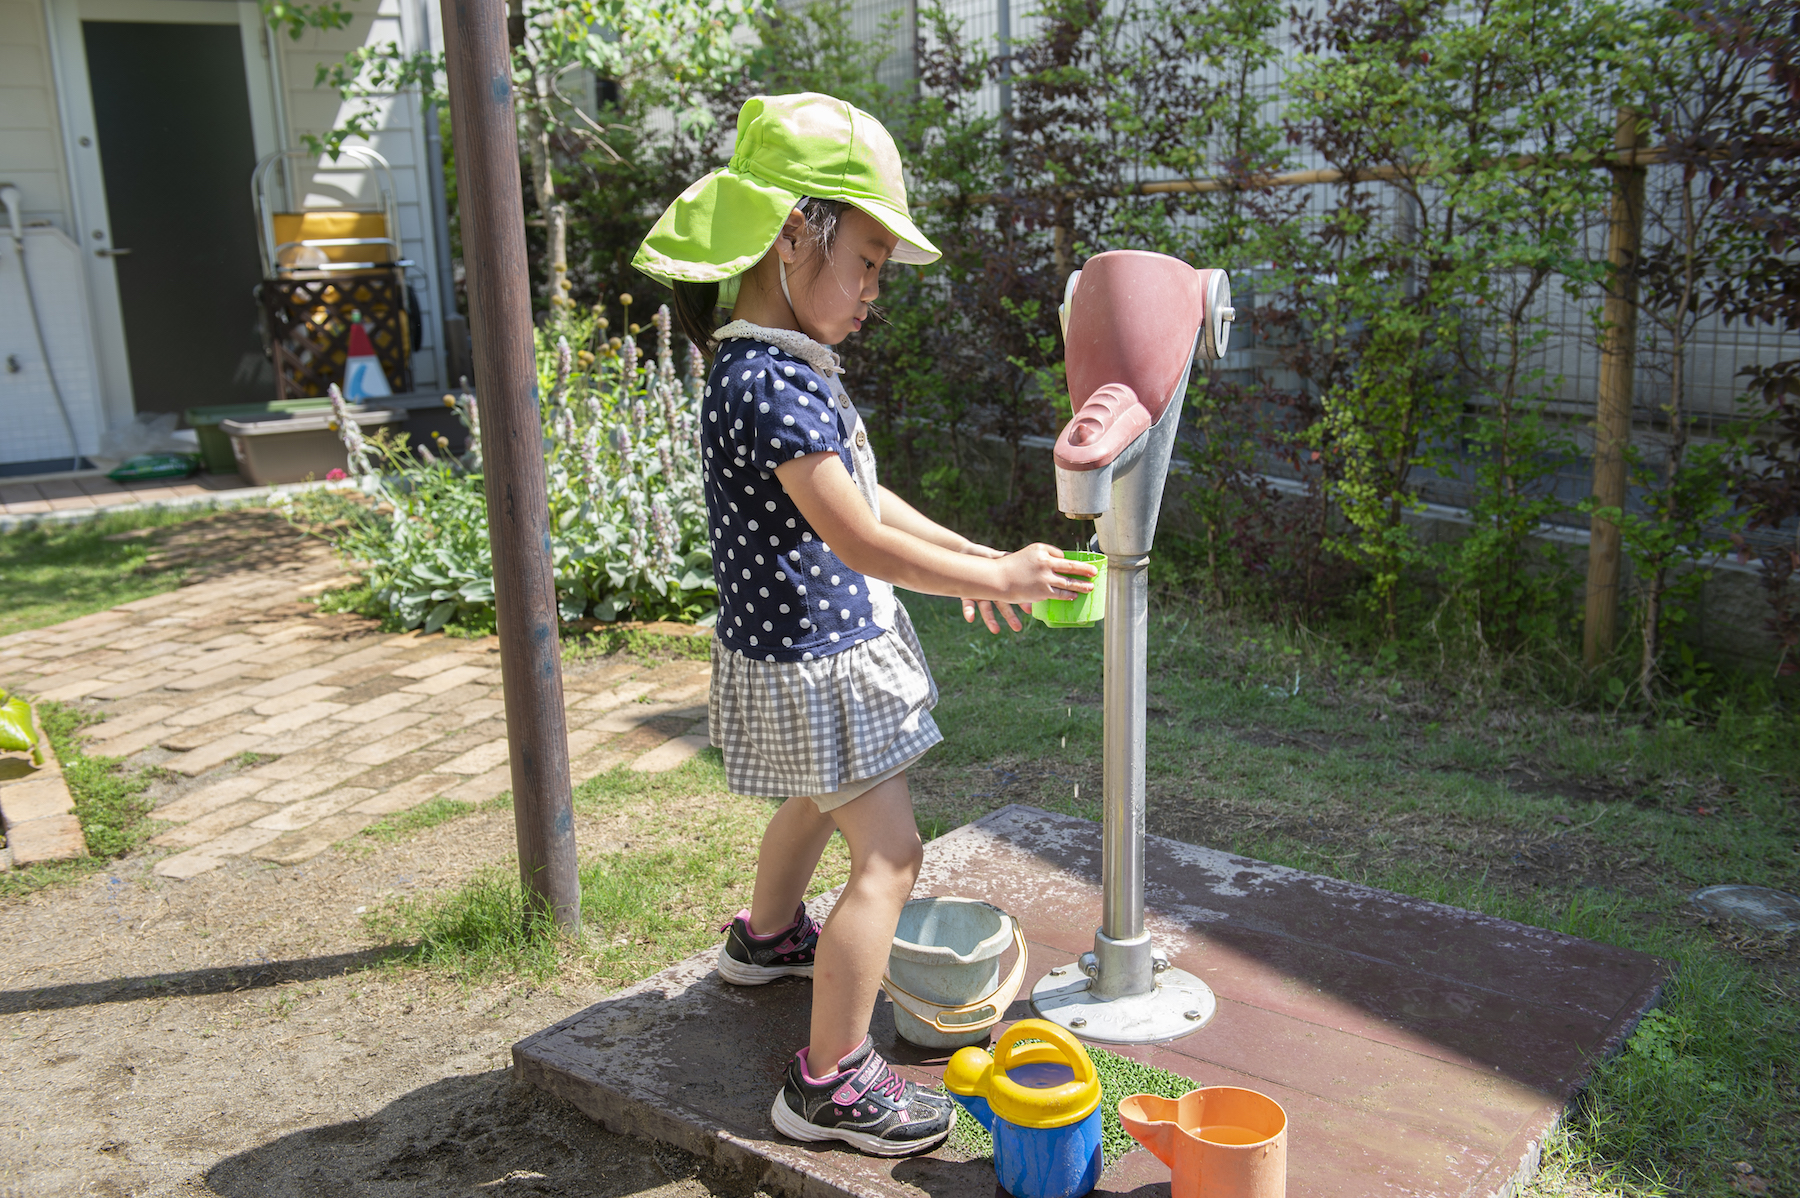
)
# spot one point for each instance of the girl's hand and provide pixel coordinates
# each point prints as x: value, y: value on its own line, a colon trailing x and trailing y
x: 987, y: 606
x: 1039, y: 572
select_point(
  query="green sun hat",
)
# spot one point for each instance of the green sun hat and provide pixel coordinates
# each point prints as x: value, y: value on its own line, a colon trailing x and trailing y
x: 806, y: 144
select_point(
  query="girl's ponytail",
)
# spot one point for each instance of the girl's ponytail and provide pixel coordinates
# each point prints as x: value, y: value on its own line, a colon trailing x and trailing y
x: 696, y: 312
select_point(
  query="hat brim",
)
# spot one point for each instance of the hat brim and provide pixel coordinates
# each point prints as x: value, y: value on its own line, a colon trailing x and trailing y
x: 915, y: 249
x: 725, y: 222
x: 719, y: 227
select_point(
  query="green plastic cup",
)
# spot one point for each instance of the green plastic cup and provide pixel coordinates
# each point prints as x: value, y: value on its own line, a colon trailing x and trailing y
x: 1076, y: 613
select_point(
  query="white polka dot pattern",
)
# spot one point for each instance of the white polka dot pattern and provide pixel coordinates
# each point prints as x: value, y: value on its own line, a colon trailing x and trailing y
x: 756, y: 420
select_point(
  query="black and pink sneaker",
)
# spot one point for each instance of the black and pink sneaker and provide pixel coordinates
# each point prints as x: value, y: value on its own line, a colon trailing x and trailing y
x: 865, y: 1104
x: 747, y: 959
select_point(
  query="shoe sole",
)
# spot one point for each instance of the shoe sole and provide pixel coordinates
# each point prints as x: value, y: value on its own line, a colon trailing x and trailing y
x: 742, y: 973
x: 796, y: 1128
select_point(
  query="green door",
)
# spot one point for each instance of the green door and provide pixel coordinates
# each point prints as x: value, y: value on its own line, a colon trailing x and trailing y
x: 173, y: 113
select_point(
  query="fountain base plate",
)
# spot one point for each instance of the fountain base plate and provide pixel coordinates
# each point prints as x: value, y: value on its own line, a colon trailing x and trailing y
x: 1180, y: 1005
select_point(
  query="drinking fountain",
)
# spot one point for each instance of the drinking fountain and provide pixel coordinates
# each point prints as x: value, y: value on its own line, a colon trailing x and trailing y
x: 1133, y: 323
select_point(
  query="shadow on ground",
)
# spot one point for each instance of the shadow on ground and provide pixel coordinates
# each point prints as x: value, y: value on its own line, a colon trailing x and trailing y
x: 185, y: 983
x: 468, y: 1136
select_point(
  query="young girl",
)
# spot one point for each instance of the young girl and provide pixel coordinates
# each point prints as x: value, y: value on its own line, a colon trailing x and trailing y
x: 820, y: 692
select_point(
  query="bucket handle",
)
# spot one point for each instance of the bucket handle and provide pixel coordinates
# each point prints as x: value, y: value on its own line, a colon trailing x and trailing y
x: 926, y: 1011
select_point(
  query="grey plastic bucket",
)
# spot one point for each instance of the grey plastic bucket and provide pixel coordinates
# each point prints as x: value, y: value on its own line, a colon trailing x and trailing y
x: 944, y: 971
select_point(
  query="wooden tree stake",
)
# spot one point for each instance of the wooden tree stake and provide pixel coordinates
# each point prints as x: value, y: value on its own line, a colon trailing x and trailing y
x: 478, y: 63
x: 1612, y: 422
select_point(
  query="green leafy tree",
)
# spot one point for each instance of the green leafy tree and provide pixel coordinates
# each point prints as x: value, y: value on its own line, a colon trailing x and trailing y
x: 1469, y: 132
x: 1692, y: 87
x: 672, y: 55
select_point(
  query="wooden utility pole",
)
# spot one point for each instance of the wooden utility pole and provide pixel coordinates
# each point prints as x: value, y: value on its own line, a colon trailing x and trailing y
x: 1612, y: 421
x: 478, y: 63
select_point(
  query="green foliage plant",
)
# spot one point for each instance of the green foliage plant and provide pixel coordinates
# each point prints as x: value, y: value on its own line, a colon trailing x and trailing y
x: 622, y: 464
x: 1696, y: 91
x: 296, y: 19
x: 1481, y: 123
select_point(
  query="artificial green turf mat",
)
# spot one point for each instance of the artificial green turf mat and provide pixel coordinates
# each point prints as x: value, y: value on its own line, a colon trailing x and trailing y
x: 1120, y: 1077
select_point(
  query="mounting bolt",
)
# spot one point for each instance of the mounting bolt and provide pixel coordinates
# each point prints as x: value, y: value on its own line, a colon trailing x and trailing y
x: 1058, y: 971
x: 1228, y: 314
x: 1078, y: 1021
x: 1192, y: 1014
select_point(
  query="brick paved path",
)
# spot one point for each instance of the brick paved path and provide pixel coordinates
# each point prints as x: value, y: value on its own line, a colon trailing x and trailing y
x: 300, y: 729
x: 92, y: 489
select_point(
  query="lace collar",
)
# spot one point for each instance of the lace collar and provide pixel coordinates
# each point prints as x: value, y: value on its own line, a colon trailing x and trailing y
x: 821, y: 358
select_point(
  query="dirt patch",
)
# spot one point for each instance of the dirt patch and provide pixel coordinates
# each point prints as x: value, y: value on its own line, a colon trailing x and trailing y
x: 1345, y: 840
x: 238, y: 1034
x: 223, y: 543
x: 481, y: 1134
x: 1355, y: 842
x: 1318, y: 742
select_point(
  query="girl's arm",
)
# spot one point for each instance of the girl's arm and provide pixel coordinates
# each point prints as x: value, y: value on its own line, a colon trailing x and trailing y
x: 897, y: 513
x: 825, y: 494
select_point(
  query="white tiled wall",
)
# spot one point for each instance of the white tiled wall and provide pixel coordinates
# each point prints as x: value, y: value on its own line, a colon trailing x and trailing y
x: 30, y: 135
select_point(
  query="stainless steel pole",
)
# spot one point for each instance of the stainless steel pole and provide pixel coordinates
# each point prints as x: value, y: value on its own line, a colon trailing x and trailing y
x: 1124, y: 992
x: 1126, y: 689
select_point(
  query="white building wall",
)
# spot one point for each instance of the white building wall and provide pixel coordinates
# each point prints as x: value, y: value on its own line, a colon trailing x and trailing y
x: 51, y: 314
x: 30, y: 134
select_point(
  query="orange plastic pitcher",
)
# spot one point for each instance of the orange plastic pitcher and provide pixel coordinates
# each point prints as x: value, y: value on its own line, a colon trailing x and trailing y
x: 1218, y: 1141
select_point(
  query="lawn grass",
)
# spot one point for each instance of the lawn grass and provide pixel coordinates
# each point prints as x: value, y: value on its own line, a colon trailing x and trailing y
x: 428, y: 814
x: 683, y: 861
x: 56, y: 572
x: 110, y: 803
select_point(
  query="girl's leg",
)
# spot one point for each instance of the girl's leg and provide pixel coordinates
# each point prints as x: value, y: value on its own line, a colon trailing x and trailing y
x: 791, y: 847
x: 885, y: 855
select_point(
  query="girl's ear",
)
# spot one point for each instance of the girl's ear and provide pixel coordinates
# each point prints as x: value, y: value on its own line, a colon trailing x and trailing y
x: 787, y: 242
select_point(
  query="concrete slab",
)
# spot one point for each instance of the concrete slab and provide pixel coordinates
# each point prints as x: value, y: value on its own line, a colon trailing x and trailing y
x: 1418, y: 1049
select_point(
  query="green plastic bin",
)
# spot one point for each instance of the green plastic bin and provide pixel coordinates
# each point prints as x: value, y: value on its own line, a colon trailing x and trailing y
x: 215, y: 446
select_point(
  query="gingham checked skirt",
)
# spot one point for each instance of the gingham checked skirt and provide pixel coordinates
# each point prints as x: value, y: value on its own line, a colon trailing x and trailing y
x: 791, y: 728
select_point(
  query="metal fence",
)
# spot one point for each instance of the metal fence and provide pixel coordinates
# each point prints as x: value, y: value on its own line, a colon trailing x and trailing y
x: 1570, y: 358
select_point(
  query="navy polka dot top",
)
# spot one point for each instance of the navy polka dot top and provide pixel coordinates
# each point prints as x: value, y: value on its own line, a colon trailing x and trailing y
x: 783, y: 595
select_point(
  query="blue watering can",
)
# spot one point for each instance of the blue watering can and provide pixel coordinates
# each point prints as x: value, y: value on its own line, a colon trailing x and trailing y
x: 1039, y: 1097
